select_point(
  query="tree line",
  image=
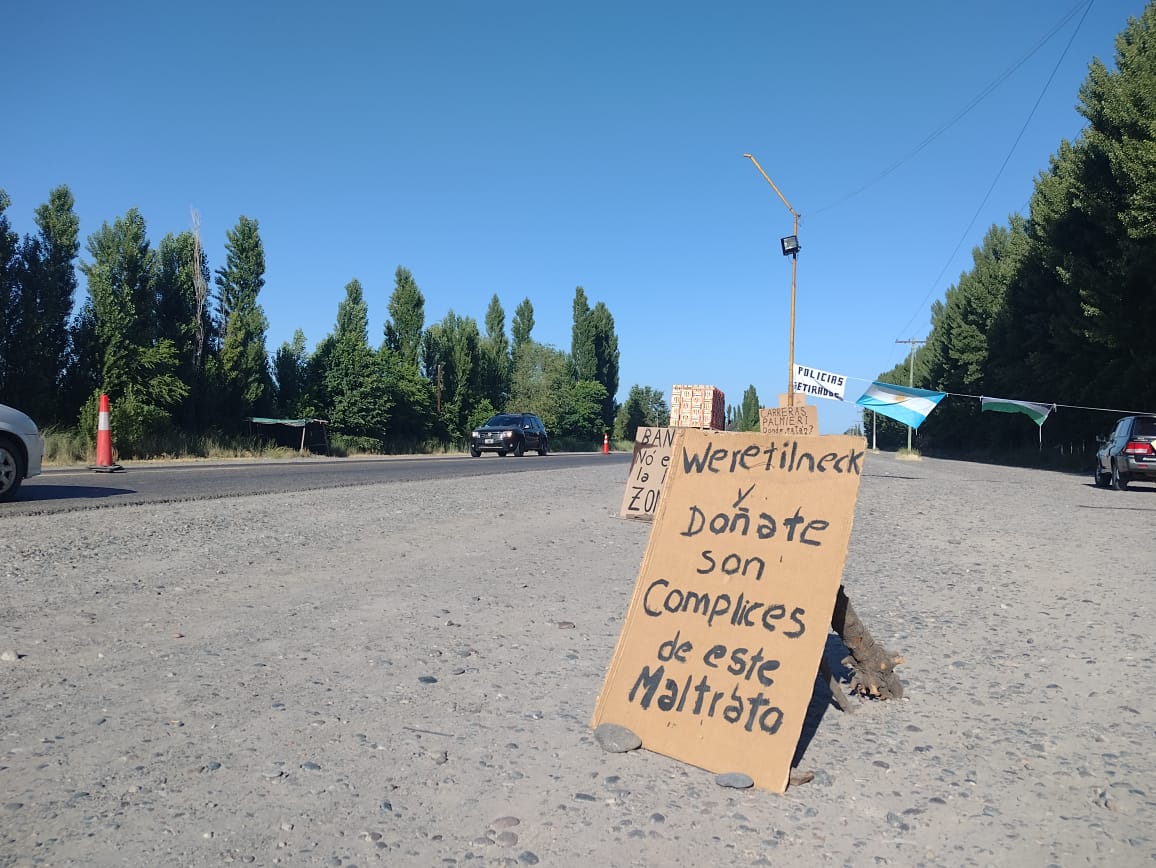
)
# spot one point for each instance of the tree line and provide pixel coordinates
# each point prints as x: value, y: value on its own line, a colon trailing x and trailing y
x: 1059, y: 307
x: 178, y: 357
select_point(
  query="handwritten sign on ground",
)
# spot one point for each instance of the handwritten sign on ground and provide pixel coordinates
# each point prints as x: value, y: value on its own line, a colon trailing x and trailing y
x: 648, y: 470
x: 802, y: 420
x: 721, y: 646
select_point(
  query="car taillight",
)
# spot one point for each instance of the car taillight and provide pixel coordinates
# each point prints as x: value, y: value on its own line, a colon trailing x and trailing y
x: 1138, y: 447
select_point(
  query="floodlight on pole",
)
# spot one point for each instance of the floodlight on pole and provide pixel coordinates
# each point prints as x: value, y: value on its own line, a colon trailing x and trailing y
x: 791, y: 248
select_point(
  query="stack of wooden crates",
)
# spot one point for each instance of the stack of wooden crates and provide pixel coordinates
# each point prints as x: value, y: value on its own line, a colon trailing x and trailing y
x: 697, y: 407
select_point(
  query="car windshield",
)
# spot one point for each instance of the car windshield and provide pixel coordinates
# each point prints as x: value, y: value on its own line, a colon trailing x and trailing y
x: 504, y: 420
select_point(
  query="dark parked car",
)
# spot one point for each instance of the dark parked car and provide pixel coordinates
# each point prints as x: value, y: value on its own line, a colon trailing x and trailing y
x: 509, y: 432
x: 1128, y: 454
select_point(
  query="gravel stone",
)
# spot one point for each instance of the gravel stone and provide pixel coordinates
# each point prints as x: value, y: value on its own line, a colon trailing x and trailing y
x: 616, y: 739
x: 735, y: 780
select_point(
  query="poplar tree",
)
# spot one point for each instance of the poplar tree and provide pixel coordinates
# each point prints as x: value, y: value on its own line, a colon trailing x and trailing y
x: 454, y: 344
x: 37, y: 285
x: 406, y: 322
x: 606, y: 359
x: 137, y: 366
x: 594, y: 351
x: 496, y: 356
x: 244, y: 366
x: 522, y: 326
x: 749, y: 415
x: 583, y: 356
x: 356, y: 379
x: 289, y: 363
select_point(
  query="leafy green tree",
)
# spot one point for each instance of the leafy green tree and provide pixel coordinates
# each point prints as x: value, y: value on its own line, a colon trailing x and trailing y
x: 49, y: 284
x: 289, y: 368
x: 580, y: 413
x: 316, y: 400
x: 356, y: 378
x: 749, y: 414
x: 594, y: 350
x: 413, y: 399
x: 541, y: 383
x: 404, y: 328
x: 583, y: 356
x: 734, y: 414
x: 138, y: 368
x: 1113, y: 210
x: 1077, y: 313
x: 606, y: 352
x: 454, y: 345
x: 956, y: 356
x: 522, y: 326
x: 179, y: 265
x: 120, y: 284
x: 37, y: 284
x: 644, y: 407
x: 83, y: 366
x: 496, y: 363
x: 242, y: 278
x: 246, y: 384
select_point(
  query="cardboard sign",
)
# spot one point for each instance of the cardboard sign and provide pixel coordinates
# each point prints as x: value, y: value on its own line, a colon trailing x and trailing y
x: 718, y: 657
x: 648, y: 471
x: 802, y: 420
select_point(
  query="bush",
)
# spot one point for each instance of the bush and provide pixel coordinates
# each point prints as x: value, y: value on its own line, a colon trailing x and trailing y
x: 66, y: 446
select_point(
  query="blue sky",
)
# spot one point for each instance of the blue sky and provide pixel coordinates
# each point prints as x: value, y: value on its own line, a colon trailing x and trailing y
x: 525, y: 149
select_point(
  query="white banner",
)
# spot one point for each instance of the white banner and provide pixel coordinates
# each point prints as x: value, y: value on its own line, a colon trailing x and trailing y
x: 821, y: 384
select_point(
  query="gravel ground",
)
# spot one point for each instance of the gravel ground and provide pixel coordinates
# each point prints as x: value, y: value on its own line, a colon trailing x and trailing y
x: 404, y: 675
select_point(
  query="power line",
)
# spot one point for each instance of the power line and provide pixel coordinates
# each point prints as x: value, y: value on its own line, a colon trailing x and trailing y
x: 962, y: 113
x: 999, y: 174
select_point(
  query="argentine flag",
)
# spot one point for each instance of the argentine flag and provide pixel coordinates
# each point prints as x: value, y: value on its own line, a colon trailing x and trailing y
x: 901, y: 403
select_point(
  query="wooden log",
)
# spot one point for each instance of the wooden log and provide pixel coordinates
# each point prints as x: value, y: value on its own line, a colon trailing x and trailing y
x: 872, y: 665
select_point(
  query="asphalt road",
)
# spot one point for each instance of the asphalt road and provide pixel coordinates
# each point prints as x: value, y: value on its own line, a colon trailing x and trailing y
x: 76, y: 488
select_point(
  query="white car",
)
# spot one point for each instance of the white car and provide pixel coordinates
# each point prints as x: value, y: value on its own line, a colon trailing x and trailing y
x: 21, y: 450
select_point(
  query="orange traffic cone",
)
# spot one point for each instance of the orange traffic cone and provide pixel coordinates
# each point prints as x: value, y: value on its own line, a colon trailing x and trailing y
x: 104, y: 462
x: 606, y: 444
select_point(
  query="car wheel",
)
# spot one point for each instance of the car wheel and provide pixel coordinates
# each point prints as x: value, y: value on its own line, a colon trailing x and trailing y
x: 1119, y: 483
x: 11, y: 471
x: 1099, y: 478
x: 475, y: 453
x: 542, y: 446
x: 520, y: 449
x: 501, y: 453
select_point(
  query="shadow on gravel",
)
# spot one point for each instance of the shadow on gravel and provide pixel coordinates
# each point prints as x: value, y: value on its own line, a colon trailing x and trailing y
x: 822, y: 700
x: 34, y: 492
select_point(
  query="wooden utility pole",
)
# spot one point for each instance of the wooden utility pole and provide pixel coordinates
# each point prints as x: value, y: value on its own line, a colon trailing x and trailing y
x: 439, y: 388
x: 794, y: 254
x: 910, y: 374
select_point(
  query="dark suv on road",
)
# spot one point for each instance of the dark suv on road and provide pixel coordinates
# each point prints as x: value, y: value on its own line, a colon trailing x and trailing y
x: 509, y: 432
x: 1129, y: 454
